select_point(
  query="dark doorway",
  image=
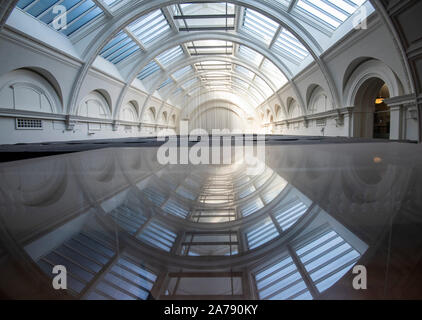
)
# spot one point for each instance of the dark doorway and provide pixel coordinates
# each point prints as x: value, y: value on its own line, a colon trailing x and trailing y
x: 382, y: 115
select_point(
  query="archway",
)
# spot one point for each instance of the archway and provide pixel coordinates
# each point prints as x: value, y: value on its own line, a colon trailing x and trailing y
x: 371, y: 117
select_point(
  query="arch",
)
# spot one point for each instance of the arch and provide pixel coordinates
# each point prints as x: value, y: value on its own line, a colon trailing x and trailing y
x: 157, y: 49
x: 369, y: 69
x: 293, y: 108
x: 130, y: 112
x: 26, y: 90
x: 278, y: 111
x: 317, y: 100
x: 95, y: 105
x: 164, y: 117
x: 149, y: 115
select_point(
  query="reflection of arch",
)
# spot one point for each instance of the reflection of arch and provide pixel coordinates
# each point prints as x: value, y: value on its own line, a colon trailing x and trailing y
x: 39, y: 185
x: 95, y: 105
x: 317, y: 100
x: 368, y: 183
x: 130, y: 112
x: 24, y: 89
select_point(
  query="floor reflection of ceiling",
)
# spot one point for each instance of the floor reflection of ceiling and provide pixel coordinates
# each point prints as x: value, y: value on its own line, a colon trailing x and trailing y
x: 128, y: 228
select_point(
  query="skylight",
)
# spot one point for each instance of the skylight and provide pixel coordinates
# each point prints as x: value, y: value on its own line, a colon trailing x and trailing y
x: 79, y: 12
x: 289, y: 45
x: 182, y: 72
x: 250, y: 55
x: 150, y: 28
x: 259, y: 26
x: 331, y: 12
x: 168, y: 57
x: 150, y: 69
x: 118, y: 49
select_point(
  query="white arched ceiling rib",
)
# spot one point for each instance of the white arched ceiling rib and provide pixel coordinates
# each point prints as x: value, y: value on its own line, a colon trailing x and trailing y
x: 238, y: 61
x: 179, y: 39
x: 138, y: 8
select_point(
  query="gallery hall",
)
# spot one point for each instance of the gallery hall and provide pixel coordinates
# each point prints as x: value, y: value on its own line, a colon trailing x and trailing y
x: 210, y: 150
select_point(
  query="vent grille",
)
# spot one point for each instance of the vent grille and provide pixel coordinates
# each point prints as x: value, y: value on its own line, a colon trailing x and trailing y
x: 29, y: 124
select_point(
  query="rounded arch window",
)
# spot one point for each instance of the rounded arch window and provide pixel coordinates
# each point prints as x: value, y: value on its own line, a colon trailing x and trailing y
x: 29, y: 91
x: 94, y: 105
x: 129, y: 112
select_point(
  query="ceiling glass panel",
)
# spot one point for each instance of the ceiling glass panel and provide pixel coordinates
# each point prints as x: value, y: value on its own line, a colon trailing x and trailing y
x: 250, y: 55
x: 150, y: 28
x: 288, y: 44
x: 79, y: 12
x: 330, y: 12
x: 259, y: 26
x: 182, y: 72
x: 150, y: 69
x: 210, y: 47
x: 170, y: 56
x: 204, y: 16
x: 120, y: 48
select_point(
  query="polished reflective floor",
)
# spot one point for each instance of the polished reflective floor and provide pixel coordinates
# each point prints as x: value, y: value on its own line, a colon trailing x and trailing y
x: 294, y: 227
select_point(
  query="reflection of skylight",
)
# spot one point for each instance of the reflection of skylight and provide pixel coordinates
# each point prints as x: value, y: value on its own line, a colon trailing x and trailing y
x: 261, y: 234
x: 327, y: 258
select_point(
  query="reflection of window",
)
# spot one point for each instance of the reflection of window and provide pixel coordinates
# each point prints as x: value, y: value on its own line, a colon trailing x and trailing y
x: 222, y: 244
x: 326, y: 257
x: 287, y: 214
x: 213, y: 215
x: 85, y: 255
x: 261, y: 234
x: 129, y: 219
x: 157, y: 235
x: 205, y: 284
x: 281, y: 281
x: 251, y: 207
x: 311, y: 265
x: 175, y: 208
x: 126, y: 280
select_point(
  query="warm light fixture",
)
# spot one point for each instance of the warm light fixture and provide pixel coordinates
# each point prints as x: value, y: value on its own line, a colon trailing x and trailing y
x: 379, y: 101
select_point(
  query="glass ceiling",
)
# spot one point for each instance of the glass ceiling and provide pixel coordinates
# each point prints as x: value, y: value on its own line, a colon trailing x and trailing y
x: 131, y: 43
